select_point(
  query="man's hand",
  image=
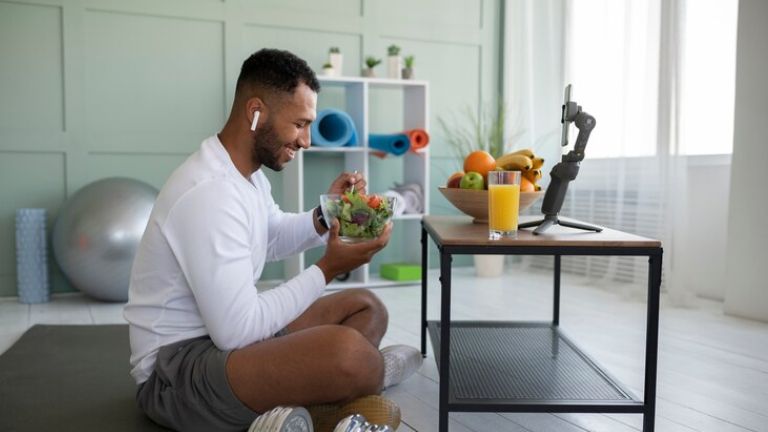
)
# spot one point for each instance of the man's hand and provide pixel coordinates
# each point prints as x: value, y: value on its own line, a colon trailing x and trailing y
x: 343, y: 257
x: 345, y: 180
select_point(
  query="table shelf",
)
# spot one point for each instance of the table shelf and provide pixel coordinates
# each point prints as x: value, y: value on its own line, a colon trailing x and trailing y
x: 525, y: 367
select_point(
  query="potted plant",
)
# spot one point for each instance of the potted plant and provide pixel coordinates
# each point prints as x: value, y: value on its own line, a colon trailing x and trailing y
x: 370, y: 63
x: 480, y: 132
x: 408, y: 69
x: 336, y: 59
x: 328, y: 70
x: 394, y: 62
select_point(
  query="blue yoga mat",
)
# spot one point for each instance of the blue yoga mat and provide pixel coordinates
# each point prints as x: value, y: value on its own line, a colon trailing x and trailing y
x: 397, y: 144
x: 333, y: 128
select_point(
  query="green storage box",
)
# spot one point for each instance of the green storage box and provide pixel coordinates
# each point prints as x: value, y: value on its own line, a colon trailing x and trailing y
x: 400, y: 271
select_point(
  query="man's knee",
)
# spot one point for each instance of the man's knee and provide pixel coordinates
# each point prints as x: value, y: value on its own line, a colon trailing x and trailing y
x: 371, y: 301
x: 360, y: 364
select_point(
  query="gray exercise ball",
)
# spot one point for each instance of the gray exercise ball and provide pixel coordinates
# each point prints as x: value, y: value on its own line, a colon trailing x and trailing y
x: 97, y: 233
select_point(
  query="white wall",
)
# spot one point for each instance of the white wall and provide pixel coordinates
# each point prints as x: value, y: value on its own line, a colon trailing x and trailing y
x: 747, y: 250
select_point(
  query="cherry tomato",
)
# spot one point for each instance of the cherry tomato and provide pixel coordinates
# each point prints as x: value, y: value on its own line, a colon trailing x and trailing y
x: 374, y: 201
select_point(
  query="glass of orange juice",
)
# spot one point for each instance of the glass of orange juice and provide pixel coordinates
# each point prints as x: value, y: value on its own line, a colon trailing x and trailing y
x: 503, y: 204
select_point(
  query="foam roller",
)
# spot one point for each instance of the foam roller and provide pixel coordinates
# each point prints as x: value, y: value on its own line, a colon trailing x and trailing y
x: 31, y: 256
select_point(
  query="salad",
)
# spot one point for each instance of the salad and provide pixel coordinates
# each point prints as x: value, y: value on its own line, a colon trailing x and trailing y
x: 361, y: 217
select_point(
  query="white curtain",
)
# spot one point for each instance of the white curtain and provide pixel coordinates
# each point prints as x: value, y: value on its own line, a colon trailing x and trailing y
x: 534, y: 65
x: 622, y: 57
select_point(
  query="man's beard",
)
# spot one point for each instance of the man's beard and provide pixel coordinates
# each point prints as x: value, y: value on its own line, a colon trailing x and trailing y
x: 267, y: 148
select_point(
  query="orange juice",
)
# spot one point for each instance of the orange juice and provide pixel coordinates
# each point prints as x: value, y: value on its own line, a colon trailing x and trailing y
x: 503, y: 205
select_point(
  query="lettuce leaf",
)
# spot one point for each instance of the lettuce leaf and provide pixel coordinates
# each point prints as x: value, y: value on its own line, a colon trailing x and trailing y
x: 357, y: 218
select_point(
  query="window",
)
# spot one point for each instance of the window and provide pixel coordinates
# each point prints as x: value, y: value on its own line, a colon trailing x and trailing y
x: 708, y: 77
x: 612, y: 59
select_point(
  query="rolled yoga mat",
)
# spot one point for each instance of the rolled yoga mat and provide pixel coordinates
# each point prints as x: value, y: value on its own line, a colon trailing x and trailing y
x: 419, y: 139
x: 396, y: 144
x: 31, y: 256
x: 333, y: 128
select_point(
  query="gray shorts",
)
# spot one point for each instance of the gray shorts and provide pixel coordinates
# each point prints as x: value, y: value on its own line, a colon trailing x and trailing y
x: 189, y: 391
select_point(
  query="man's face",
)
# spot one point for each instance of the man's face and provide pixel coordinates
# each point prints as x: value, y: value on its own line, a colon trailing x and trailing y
x: 286, y: 129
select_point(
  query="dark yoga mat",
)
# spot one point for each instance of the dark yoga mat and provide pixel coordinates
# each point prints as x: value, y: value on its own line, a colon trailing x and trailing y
x: 70, y: 378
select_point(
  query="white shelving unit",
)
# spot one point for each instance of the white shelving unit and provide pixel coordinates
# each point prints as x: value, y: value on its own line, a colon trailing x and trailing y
x: 415, y: 166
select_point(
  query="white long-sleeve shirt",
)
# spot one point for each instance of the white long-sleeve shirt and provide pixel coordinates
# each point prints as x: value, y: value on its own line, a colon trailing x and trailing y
x: 208, y: 237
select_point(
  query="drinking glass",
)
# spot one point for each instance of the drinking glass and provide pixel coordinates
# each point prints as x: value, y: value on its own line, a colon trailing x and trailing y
x: 503, y: 204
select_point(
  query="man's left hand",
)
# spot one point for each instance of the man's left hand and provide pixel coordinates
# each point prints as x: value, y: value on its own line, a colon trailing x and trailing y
x: 345, y: 180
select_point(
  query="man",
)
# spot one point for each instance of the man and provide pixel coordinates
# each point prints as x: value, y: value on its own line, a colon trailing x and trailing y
x: 208, y: 351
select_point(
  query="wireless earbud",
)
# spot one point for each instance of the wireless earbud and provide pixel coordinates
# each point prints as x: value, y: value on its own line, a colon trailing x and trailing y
x: 255, y: 121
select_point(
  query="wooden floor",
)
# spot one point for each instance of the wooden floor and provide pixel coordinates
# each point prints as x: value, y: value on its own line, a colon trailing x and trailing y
x: 713, y: 369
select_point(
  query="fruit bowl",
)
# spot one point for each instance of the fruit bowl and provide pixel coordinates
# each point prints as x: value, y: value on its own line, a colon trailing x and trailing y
x: 361, y: 217
x: 474, y: 202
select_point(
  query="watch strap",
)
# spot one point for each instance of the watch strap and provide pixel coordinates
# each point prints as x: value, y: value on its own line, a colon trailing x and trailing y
x: 320, y: 218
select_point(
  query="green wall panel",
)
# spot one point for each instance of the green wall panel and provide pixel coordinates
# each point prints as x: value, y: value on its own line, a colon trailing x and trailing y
x: 311, y: 45
x: 341, y: 9
x: 169, y: 141
x: 33, y: 180
x: 433, y: 13
x: 106, y: 88
x: 147, y: 73
x: 155, y: 168
x: 31, y: 84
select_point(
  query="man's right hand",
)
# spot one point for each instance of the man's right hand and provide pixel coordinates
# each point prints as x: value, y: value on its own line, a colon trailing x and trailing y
x: 341, y: 257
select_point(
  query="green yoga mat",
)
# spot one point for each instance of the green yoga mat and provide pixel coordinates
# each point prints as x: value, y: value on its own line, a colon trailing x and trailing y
x: 70, y: 378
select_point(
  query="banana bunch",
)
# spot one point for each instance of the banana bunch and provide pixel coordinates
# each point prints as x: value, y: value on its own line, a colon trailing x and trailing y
x: 524, y: 161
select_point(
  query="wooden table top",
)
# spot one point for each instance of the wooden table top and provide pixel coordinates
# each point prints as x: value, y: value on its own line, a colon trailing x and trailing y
x: 460, y: 231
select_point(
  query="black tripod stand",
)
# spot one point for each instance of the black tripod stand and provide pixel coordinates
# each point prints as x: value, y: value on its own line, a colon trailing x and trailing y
x: 566, y: 170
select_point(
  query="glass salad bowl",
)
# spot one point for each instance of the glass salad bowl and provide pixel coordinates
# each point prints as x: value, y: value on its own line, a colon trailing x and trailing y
x: 361, y: 217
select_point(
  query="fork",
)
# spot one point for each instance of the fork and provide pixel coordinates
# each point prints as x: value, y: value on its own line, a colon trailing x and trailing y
x: 352, y: 186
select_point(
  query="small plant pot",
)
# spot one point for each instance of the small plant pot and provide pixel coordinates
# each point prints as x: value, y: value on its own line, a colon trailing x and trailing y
x: 329, y: 71
x: 369, y: 73
x: 489, y: 265
x: 394, y: 67
x: 337, y: 61
x: 407, y: 73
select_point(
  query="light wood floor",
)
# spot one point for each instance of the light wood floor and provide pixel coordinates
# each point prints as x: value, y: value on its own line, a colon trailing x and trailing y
x: 713, y: 369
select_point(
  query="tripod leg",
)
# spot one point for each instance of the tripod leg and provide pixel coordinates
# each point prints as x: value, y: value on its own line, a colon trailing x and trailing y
x: 581, y: 226
x: 545, y: 224
x: 530, y: 224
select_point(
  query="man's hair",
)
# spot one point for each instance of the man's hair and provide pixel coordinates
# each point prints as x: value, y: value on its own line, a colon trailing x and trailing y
x: 275, y: 71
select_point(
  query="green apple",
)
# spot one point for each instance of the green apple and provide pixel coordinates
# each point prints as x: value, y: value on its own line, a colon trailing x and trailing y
x: 472, y: 180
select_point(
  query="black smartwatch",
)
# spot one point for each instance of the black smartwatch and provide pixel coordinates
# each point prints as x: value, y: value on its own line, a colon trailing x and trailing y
x: 320, y: 218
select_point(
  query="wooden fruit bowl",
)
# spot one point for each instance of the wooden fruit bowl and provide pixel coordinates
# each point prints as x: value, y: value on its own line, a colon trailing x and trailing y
x: 475, y: 202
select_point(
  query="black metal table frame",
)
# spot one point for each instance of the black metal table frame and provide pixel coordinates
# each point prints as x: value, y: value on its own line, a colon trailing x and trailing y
x: 654, y: 254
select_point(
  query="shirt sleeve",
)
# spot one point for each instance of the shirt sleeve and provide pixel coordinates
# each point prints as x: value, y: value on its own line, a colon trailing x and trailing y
x: 291, y: 233
x: 208, y: 231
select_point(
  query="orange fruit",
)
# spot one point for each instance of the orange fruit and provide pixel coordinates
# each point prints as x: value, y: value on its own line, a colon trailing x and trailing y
x: 526, y: 185
x: 479, y: 161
